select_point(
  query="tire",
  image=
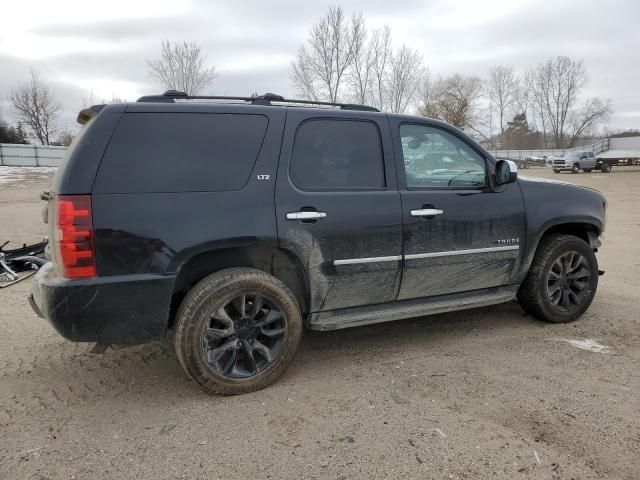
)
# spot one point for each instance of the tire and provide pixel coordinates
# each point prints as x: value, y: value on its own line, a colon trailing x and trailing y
x: 237, y: 331
x: 538, y: 295
x: 588, y: 170
x: 575, y: 168
x: 556, y: 171
x: 606, y: 168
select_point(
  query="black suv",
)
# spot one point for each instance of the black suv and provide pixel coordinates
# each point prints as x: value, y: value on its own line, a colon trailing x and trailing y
x: 233, y: 222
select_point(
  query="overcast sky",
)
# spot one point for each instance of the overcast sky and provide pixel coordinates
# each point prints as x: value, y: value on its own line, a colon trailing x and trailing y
x: 84, y: 46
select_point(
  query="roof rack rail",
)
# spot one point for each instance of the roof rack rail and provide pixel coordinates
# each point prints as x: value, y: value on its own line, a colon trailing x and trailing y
x: 171, y: 95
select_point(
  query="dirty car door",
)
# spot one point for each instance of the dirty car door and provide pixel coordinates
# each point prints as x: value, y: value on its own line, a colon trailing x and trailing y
x: 460, y: 234
x: 338, y: 207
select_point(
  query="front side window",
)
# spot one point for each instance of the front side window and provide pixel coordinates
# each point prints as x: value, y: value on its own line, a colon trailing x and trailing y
x: 435, y: 158
x: 336, y: 155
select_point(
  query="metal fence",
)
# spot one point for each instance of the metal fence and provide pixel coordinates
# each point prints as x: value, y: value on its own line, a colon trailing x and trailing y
x: 30, y: 155
x: 598, y: 147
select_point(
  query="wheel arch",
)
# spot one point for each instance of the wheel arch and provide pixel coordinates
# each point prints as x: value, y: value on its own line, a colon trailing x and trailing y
x: 587, y: 229
x: 584, y: 230
x: 265, y: 256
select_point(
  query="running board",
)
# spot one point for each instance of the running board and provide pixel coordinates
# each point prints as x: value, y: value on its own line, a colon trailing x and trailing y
x: 356, y: 316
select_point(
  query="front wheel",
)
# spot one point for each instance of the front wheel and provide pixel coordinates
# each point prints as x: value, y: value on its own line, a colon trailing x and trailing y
x: 237, y: 331
x: 556, y: 171
x: 562, y: 280
x: 575, y: 168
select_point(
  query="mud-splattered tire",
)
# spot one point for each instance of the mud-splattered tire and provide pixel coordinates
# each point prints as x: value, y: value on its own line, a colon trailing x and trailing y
x: 237, y: 331
x: 575, y: 168
x: 562, y: 280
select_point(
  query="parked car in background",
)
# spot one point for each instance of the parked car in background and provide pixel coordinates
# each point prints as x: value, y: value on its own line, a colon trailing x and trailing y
x: 576, y: 161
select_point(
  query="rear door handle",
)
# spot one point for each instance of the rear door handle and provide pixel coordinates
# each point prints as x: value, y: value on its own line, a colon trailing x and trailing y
x: 426, y: 212
x: 305, y: 215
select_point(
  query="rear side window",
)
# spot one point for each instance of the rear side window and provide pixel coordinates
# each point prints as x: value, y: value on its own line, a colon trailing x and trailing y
x: 337, y: 154
x: 181, y: 152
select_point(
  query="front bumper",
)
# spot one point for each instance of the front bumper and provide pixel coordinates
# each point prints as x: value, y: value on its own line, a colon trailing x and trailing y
x: 126, y: 309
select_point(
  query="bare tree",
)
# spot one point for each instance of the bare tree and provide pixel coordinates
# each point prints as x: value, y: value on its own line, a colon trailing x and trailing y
x: 594, y: 112
x: 425, y: 92
x: 182, y: 67
x: 381, y: 58
x: 321, y: 65
x: 455, y: 100
x: 502, y: 86
x: 556, y: 86
x: 560, y: 80
x: 533, y: 85
x: 36, y: 108
x: 341, y: 60
x: 361, y: 72
x: 404, y: 79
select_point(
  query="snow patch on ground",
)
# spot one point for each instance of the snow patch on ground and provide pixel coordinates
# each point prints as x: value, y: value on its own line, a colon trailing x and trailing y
x: 586, y: 344
x: 19, y: 174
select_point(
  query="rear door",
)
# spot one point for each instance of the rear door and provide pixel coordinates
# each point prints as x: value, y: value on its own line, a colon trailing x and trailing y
x: 338, y: 207
x: 460, y: 234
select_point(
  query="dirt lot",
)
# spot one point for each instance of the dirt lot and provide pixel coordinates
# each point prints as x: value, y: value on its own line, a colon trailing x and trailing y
x: 489, y: 393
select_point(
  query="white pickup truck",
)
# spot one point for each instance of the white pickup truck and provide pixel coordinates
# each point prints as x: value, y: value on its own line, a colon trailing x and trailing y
x: 576, y: 161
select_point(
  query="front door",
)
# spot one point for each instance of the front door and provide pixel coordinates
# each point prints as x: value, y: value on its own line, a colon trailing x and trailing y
x: 338, y: 207
x: 460, y: 234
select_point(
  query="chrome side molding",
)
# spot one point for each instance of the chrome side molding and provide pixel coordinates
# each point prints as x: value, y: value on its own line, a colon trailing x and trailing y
x: 470, y: 251
x: 413, y: 256
x: 353, y: 261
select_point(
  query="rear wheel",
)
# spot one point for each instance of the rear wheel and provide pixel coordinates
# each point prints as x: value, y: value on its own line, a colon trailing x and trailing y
x: 606, y: 168
x: 237, y: 331
x: 575, y: 168
x: 562, y: 280
x: 587, y: 170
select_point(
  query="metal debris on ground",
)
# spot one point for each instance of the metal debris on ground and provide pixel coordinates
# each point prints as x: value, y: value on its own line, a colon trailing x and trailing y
x: 537, y: 457
x: 20, y: 263
x: 586, y: 344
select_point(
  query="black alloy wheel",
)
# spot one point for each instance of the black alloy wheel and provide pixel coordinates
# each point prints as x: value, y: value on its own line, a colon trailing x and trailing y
x: 568, y: 281
x: 243, y: 336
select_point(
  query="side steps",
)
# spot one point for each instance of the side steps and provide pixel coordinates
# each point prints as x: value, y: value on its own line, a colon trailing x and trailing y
x: 356, y: 316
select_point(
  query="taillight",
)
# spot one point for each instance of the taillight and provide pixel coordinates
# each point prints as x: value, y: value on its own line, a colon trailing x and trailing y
x: 74, y: 229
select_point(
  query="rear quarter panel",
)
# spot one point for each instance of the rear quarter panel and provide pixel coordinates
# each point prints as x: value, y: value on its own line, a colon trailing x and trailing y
x: 138, y: 233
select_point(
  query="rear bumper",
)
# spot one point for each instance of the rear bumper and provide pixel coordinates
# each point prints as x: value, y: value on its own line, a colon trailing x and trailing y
x: 125, y: 309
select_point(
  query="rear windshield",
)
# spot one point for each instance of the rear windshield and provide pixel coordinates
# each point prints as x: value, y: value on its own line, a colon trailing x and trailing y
x: 181, y: 152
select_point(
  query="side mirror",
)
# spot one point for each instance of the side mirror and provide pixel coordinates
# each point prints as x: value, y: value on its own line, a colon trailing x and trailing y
x: 506, y: 172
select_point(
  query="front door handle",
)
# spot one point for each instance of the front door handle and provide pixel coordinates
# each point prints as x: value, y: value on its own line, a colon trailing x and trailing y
x: 305, y: 215
x: 426, y: 212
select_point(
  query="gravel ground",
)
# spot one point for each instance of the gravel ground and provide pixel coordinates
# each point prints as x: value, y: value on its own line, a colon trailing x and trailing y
x: 488, y: 393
